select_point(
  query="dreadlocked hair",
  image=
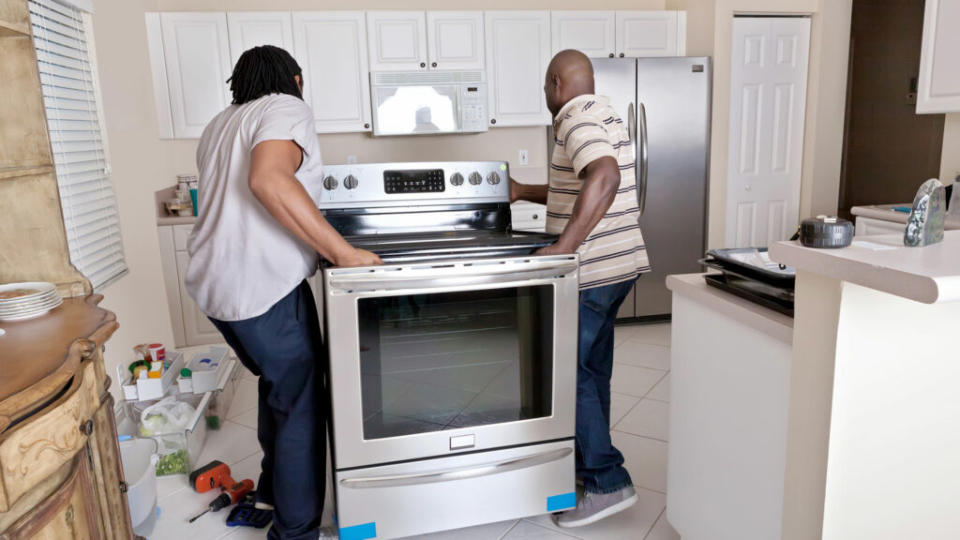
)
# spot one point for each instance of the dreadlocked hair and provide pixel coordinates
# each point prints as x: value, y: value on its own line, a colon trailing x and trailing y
x: 264, y: 70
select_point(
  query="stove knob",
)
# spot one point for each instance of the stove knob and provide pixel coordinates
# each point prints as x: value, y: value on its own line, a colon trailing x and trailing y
x: 456, y: 179
x: 475, y: 178
x: 493, y: 178
x: 350, y: 182
x: 330, y: 183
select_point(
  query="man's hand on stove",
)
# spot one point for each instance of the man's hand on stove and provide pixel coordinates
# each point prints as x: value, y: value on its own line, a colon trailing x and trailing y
x: 555, y: 249
x: 358, y: 257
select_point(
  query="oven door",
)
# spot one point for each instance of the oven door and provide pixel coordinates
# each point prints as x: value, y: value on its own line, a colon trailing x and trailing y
x: 443, y: 358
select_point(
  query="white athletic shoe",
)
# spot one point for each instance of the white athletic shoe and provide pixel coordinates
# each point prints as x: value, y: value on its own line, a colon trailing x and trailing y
x: 593, y: 507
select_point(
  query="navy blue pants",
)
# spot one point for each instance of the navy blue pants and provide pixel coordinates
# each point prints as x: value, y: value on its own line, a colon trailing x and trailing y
x: 284, y: 348
x: 599, y: 464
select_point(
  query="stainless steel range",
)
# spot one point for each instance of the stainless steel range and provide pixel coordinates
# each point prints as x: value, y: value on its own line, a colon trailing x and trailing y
x: 452, y: 366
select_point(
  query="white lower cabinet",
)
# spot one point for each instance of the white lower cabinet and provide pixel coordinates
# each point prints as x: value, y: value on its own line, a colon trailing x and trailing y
x: 190, y: 325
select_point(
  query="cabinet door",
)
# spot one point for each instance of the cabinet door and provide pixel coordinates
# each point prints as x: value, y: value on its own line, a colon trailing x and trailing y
x: 250, y: 29
x: 651, y: 33
x: 68, y: 512
x: 197, y: 327
x: 197, y: 57
x: 871, y: 227
x: 455, y: 39
x: 397, y: 40
x: 939, y: 85
x: 518, y: 52
x: 332, y: 49
x: 590, y: 32
x: 107, y: 473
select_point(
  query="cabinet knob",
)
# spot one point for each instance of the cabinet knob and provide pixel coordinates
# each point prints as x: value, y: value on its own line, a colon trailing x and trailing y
x: 87, y: 427
x: 493, y: 120
x: 123, y: 487
x: 611, y: 55
x: 366, y: 126
x: 433, y: 64
x: 423, y: 64
x: 621, y: 55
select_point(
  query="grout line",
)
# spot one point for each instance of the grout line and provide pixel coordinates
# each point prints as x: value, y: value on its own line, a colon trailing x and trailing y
x: 640, y: 436
x: 553, y: 529
x: 512, y: 527
x: 659, y: 517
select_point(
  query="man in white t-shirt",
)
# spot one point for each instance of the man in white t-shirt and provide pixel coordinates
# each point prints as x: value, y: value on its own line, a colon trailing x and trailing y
x: 257, y: 238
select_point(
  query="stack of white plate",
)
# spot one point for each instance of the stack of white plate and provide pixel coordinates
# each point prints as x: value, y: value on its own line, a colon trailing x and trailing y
x: 21, y: 301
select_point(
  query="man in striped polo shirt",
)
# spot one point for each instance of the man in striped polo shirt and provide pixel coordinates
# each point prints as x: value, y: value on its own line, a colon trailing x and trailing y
x: 591, y: 203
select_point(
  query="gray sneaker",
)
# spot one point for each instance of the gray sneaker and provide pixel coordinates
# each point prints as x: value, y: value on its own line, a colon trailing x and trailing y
x: 593, y: 507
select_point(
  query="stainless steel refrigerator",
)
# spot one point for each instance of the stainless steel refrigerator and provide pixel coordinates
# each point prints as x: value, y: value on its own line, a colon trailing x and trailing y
x: 666, y: 105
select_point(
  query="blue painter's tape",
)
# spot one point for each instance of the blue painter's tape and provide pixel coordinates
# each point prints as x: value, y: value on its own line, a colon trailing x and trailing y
x: 359, y: 532
x: 562, y: 502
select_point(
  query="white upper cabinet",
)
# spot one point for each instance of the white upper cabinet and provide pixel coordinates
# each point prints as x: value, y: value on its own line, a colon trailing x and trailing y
x: 518, y: 51
x: 590, y: 32
x: 332, y: 50
x: 397, y: 40
x: 196, y: 54
x: 939, y: 86
x: 455, y: 40
x: 250, y: 29
x: 651, y: 33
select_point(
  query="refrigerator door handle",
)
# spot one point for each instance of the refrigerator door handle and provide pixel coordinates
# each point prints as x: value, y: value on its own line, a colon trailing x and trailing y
x: 642, y: 178
x: 632, y: 134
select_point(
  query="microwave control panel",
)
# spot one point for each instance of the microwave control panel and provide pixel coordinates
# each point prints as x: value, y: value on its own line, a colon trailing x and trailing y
x: 473, y: 107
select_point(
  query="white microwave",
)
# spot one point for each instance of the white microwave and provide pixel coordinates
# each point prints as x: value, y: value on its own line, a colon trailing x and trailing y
x: 428, y: 102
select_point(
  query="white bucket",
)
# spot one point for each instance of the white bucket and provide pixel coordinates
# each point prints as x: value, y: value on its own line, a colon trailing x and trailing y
x: 139, y: 470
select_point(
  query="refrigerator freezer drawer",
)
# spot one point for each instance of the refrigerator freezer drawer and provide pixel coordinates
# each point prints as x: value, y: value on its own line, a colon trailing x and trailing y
x: 394, y: 501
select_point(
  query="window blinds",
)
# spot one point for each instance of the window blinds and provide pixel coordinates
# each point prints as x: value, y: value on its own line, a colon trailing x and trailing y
x: 70, y: 94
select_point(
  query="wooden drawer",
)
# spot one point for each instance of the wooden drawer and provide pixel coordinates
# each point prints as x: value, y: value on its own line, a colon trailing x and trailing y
x: 181, y: 233
x: 32, y: 451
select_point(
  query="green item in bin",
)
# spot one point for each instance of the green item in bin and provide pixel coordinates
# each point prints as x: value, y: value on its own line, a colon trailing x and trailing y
x: 186, y: 373
x: 174, y: 463
x: 213, y: 422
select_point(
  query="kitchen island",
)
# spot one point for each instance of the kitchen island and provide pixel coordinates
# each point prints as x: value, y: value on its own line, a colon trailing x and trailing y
x: 874, y: 416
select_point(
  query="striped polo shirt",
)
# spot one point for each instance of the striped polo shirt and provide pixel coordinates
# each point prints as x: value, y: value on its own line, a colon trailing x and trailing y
x: 586, y: 129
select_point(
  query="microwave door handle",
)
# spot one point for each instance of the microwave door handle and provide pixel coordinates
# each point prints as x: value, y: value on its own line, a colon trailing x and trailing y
x: 450, y: 274
x: 642, y: 177
x: 458, y: 473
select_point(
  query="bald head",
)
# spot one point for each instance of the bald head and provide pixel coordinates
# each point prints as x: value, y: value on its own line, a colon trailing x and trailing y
x: 569, y: 75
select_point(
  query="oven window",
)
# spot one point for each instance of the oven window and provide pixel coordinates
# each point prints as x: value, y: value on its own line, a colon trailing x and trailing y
x: 431, y: 362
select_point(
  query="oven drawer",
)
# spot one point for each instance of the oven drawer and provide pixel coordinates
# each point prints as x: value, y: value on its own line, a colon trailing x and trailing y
x: 430, y: 495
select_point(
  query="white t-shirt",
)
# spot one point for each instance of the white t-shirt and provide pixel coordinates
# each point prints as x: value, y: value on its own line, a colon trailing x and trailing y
x: 242, y: 260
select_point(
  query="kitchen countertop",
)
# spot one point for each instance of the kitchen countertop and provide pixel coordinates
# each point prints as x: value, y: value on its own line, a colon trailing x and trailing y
x: 928, y: 274
x: 163, y: 218
x: 765, y: 320
x: 884, y: 212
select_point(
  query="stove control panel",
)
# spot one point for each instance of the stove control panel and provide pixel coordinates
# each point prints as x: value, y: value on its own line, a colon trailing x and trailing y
x: 413, y: 181
x: 363, y: 185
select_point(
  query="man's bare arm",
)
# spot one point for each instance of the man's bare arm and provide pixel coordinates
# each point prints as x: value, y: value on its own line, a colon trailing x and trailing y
x: 272, y: 181
x: 601, y: 181
x: 528, y: 192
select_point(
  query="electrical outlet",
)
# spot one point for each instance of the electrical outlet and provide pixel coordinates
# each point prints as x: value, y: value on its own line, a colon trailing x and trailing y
x: 351, y: 159
x: 524, y: 157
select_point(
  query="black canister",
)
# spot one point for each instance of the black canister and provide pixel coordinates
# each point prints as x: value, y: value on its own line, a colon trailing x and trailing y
x: 826, y: 232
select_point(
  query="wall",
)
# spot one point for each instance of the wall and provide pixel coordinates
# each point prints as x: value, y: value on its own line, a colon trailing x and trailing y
x: 143, y: 164
x: 950, y: 154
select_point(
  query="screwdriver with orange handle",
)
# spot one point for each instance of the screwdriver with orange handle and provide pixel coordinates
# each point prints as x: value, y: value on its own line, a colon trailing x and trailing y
x: 216, y: 474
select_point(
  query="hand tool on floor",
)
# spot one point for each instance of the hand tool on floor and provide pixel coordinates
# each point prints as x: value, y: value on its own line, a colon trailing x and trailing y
x: 216, y: 474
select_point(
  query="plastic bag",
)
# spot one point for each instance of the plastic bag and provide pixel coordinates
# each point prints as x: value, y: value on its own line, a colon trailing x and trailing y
x: 165, y: 421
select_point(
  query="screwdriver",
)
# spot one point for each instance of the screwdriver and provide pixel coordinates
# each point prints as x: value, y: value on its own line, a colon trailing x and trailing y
x: 229, y: 496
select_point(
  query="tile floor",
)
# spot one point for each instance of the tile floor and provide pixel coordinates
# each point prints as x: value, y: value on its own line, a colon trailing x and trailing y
x: 641, y: 385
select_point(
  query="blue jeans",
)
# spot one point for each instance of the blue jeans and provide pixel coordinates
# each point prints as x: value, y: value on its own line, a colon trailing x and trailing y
x: 599, y: 464
x: 284, y: 348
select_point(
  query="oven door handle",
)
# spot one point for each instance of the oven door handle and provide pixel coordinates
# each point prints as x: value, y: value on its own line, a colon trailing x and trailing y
x: 456, y: 274
x: 458, y: 473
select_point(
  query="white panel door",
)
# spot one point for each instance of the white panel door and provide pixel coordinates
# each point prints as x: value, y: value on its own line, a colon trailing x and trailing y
x: 332, y: 50
x: 590, y: 32
x: 768, y: 90
x: 250, y: 29
x: 651, y: 33
x: 198, y: 330
x: 939, y: 85
x: 397, y: 40
x: 197, y: 57
x: 518, y: 51
x: 455, y: 39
